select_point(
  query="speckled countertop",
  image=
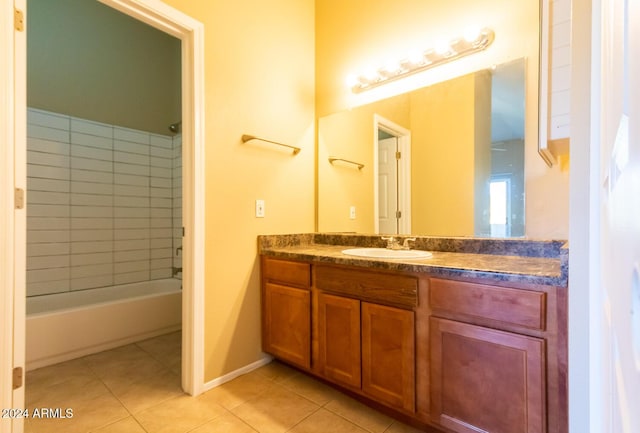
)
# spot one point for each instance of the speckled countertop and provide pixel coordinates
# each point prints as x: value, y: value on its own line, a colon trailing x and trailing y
x: 525, y: 261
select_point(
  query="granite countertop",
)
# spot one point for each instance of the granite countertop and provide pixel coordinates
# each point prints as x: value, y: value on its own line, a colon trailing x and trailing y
x: 514, y: 260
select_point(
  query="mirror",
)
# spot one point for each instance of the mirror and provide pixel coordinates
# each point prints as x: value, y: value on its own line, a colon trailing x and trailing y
x: 443, y: 160
x: 351, y: 39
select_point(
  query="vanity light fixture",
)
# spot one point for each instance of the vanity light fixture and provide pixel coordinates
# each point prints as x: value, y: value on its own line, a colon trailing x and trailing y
x: 471, y: 42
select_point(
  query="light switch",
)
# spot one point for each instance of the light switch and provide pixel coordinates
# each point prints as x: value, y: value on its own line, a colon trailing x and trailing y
x: 352, y: 212
x: 259, y: 208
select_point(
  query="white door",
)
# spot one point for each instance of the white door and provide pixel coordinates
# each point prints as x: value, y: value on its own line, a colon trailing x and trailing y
x: 619, y: 316
x: 387, y: 185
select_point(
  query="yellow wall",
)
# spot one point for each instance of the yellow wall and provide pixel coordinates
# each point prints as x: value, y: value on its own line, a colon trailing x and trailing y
x: 259, y: 73
x: 259, y: 79
x: 352, y: 36
x: 443, y: 158
x: 350, y: 135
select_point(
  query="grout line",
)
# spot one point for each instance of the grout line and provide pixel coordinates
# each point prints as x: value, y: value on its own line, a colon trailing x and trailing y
x: 303, y: 419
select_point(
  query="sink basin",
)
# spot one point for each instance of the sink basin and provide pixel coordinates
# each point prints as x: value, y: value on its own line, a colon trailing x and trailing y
x: 384, y: 253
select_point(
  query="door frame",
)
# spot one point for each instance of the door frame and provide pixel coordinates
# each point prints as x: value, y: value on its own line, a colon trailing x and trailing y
x: 404, y: 171
x: 12, y: 221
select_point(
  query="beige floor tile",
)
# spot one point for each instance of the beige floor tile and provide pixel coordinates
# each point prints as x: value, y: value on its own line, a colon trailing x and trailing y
x: 89, y: 413
x: 359, y: 414
x: 127, y: 425
x: 228, y: 423
x: 239, y: 390
x: 124, y: 365
x: 119, y: 355
x: 310, y: 388
x: 58, y: 373
x: 143, y: 394
x: 60, y: 395
x: 276, y: 371
x: 166, y: 349
x: 398, y: 427
x: 144, y: 379
x: 275, y: 411
x: 324, y: 421
x: 179, y: 414
x: 46, y: 382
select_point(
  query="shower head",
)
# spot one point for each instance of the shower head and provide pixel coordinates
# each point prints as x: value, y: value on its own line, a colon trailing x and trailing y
x: 175, y: 127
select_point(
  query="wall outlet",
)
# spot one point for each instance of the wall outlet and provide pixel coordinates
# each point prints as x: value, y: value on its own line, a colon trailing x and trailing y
x: 259, y: 208
x: 352, y: 212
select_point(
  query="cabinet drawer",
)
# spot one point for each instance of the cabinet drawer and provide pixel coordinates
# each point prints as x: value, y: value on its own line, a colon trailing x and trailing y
x: 523, y: 308
x: 383, y: 288
x: 284, y: 271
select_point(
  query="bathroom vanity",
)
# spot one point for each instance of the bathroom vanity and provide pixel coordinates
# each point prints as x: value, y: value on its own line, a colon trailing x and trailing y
x: 472, y: 339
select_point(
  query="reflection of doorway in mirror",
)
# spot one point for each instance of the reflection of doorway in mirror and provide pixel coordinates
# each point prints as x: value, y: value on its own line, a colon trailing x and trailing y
x: 500, y: 207
x: 387, y: 183
x: 508, y: 147
x: 392, y: 185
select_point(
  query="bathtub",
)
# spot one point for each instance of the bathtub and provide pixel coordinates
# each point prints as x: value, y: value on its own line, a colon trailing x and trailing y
x: 69, y: 325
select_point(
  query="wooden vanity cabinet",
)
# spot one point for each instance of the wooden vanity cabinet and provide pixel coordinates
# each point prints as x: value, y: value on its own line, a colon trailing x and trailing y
x: 338, y: 329
x: 286, y: 310
x: 485, y: 379
x: 467, y: 357
x: 362, y: 343
x: 388, y: 355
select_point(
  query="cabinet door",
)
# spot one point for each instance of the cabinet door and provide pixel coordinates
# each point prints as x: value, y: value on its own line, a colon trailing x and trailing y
x: 339, y: 339
x: 287, y: 323
x: 388, y: 355
x: 484, y: 380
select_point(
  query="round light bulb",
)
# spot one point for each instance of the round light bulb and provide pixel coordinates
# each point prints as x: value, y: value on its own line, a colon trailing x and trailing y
x: 352, y: 80
x: 472, y: 34
x: 442, y: 47
x: 416, y: 57
x: 371, y: 74
x: 392, y: 66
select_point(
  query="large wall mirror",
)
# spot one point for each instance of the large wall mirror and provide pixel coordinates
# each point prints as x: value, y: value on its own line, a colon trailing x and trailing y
x: 455, y: 157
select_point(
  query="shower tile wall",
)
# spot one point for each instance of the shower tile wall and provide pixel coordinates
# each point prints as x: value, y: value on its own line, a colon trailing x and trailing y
x: 100, y: 206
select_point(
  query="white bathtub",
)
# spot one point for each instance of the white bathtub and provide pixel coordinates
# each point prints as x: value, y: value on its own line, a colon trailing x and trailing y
x: 69, y: 325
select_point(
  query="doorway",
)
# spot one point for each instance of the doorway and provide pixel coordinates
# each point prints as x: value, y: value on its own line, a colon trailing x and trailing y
x: 392, y: 177
x: 13, y: 218
x: 103, y: 177
x: 191, y: 34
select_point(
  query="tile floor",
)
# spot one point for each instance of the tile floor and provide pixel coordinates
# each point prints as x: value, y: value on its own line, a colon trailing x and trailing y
x: 136, y: 389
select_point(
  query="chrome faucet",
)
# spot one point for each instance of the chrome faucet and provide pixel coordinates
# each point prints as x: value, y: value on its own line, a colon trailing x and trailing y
x: 394, y: 244
x: 405, y: 244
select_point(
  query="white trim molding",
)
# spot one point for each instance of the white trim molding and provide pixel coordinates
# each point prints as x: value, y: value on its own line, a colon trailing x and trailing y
x: 191, y: 32
x: 543, y: 93
x: 239, y: 372
x: 6, y: 209
x: 12, y: 220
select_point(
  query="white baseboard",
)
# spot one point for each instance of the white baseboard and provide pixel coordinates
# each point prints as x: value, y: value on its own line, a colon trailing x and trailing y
x: 239, y: 372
